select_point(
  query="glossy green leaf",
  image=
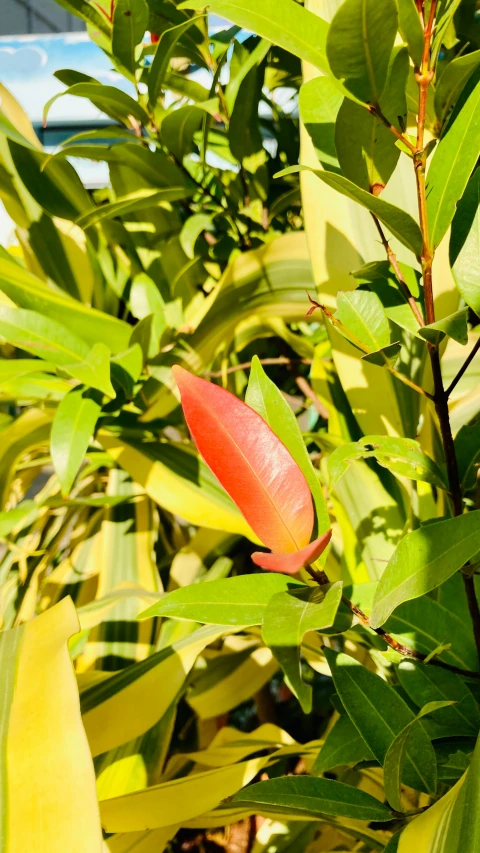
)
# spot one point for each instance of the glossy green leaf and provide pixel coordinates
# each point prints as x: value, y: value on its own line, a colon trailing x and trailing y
x: 165, y: 49
x: 425, y: 684
x: 452, y: 81
x: 453, y: 160
x: 362, y: 314
x: 396, y: 754
x: 244, y: 134
x: 403, y: 456
x: 454, y: 326
x: 28, y: 291
x: 242, y: 62
x: 94, y: 370
x: 72, y: 428
x: 359, y: 44
x: 178, y: 128
x: 366, y: 149
x: 132, y: 202
x: 109, y: 99
x: 18, y: 517
x: 130, y: 20
x: 467, y: 449
x: 11, y: 369
x: 380, y: 714
x: 401, y: 224
x: 87, y: 12
x: 411, y: 29
x: 465, y: 243
x: 385, y: 356
x: 343, y: 745
x: 319, y: 101
x: 290, y: 26
x: 234, y: 601
x: 309, y: 796
x: 263, y: 395
x: 288, y: 617
x: 423, y: 560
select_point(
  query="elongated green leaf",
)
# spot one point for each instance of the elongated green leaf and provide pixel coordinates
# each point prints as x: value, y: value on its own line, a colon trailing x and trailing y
x: 280, y: 21
x: 234, y: 601
x: 403, y: 456
x: 452, y: 82
x: 132, y: 202
x: 263, y: 395
x: 307, y: 795
x: 454, y: 326
x: 401, y: 224
x: 72, y: 428
x: 18, y: 367
x: 359, y: 44
x: 288, y: 617
x: 465, y: 243
x: 94, y: 371
x: 343, y: 745
x: 380, y: 714
x: 159, y: 66
x: 395, y: 758
x: 425, y: 559
x: 240, y: 69
x: 425, y: 684
x: 411, y: 29
x: 454, y: 160
x: 110, y: 100
x: 87, y: 12
x: 30, y: 292
x: 362, y: 313
x: 130, y: 20
x: 467, y: 448
x: 41, y: 336
x: 366, y: 149
x: 319, y: 102
x: 64, y: 812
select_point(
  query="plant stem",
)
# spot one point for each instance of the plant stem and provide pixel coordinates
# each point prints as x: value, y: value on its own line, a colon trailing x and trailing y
x: 424, y: 77
x: 246, y: 365
x: 465, y: 365
x: 399, y: 647
x: 375, y: 110
x: 398, y: 272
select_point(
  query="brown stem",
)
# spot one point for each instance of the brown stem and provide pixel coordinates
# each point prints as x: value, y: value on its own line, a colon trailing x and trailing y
x: 246, y: 365
x: 375, y: 110
x: 465, y: 365
x: 309, y: 393
x: 424, y: 77
x: 398, y: 272
x: 399, y: 647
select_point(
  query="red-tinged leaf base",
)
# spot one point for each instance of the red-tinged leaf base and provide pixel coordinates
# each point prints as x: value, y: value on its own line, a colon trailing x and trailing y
x: 290, y: 564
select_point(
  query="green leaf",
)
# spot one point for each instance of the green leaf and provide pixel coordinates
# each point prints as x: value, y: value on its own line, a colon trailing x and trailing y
x: 132, y: 202
x: 384, y: 356
x: 41, y: 336
x: 234, y: 601
x: 19, y: 517
x: 72, y: 428
x: 241, y: 63
x: 343, y: 745
x: 11, y: 369
x: 454, y: 326
x: 94, y: 371
x: 309, y: 796
x: 380, y: 714
x: 402, y: 456
x: 88, y: 12
x: 362, y: 313
x: 110, y: 100
x: 244, y: 135
x: 366, y: 149
x: 287, y: 618
x: 178, y: 128
x: 130, y: 20
x: 454, y: 160
x: 467, y: 450
x: 465, y: 243
x: 319, y: 101
x: 263, y: 395
x: 401, y: 224
x: 463, y: 832
x: 30, y: 292
x: 280, y: 21
x: 452, y: 81
x: 359, y: 45
x: 423, y: 560
x: 411, y: 29
x: 165, y: 49
x: 431, y: 684
x: 396, y: 754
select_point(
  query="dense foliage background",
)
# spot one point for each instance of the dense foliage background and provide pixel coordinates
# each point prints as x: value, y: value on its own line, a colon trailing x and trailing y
x: 202, y: 251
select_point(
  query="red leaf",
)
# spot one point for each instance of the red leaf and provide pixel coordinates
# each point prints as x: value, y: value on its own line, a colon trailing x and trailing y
x: 252, y: 464
x: 290, y: 564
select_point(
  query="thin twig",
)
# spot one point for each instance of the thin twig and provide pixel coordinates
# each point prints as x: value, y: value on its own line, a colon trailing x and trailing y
x: 398, y: 272
x: 375, y: 110
x: 246, y: 365
x: 464, y: 367
x: 309, y: 393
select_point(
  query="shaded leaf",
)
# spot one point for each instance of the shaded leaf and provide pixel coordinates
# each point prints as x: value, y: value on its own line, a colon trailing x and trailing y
x: 72, y: 428
x: 465, y: 243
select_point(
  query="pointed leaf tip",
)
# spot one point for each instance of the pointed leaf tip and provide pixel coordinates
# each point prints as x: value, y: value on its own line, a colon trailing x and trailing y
x: 290, y: 564
x: 251, y: 463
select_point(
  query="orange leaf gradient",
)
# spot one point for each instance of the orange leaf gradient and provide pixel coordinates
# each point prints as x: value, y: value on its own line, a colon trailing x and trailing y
x: 290, y: 564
